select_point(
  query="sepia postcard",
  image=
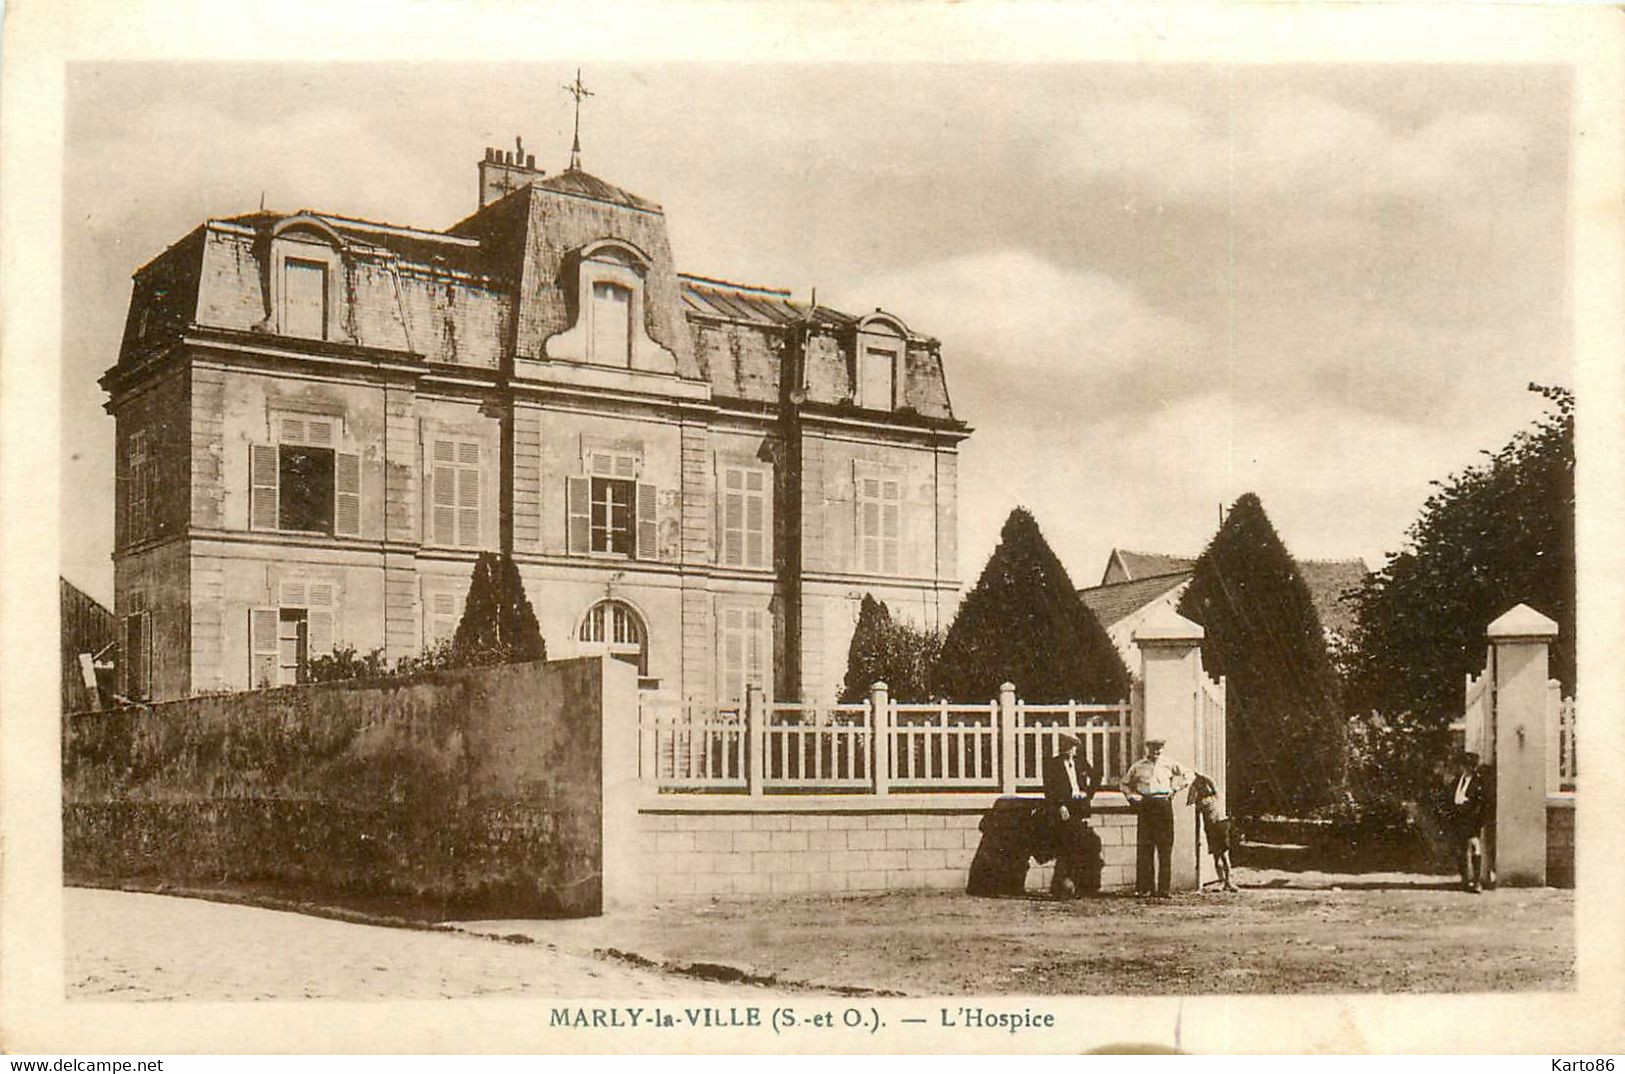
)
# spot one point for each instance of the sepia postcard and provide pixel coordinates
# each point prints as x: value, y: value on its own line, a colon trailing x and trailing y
x: 809, y: 527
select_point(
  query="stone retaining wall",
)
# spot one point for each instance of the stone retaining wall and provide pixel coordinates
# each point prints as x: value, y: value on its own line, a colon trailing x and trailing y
x: 730, y: 849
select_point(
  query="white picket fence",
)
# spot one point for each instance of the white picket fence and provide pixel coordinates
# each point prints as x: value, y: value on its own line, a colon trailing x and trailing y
x: 875, y: 746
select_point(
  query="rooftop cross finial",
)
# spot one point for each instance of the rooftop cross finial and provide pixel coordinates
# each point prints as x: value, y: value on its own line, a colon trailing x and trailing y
x: 579, y: 92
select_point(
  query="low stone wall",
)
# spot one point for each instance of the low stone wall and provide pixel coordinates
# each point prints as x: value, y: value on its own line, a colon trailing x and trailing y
x: 1560, y: 842
x: 475, y: 789
x: 722, y: 847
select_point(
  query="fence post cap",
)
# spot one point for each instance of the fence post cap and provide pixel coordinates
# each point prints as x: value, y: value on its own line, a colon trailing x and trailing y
x: 1519, y: 623
x: 879, y: 684
x: 1166, y: 625
x: 1007, y: 687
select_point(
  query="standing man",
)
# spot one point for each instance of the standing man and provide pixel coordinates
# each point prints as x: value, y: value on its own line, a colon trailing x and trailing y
x: 1471, y: 805
x: 1069, y: 786
x: 1149, y: 786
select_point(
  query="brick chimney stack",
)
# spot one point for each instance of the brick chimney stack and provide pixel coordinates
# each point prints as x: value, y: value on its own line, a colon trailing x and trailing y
x: 506, y: 170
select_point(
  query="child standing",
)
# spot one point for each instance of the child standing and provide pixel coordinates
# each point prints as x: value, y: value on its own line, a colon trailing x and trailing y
x: 1204, y: 795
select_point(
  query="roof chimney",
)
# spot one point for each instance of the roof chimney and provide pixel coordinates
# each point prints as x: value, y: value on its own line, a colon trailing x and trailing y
x: 505, y: 170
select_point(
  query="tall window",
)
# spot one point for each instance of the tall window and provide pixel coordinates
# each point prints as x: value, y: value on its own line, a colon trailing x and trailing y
x: 879, y: 523
x: 284, y: 639
x: 304, y: 299
x: 442, y: 612
x: 302, y: 482
x: 138, y: 488
x: 877, y: 369
x: 614, y: 628
x: 741, y: 652
x: 455, y: 477
x: 744, y: 517
x: 608, y: 510
x: 612, y: 515
x: 611, y: 324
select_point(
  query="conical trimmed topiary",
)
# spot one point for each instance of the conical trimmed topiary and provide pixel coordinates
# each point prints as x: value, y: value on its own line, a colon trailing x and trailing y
x: 498, y: 624
x: 1285, y: 741
x: 1023, y: 623
x: 866, y: 655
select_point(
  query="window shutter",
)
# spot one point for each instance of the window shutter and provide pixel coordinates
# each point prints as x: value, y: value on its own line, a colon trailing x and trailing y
x: 347, y: 495
x: 889, y: 512
x: 753, y: 644
x: 578, y: 513
x: 146, y: 655
x: 755, y: 520
x: 262, y: 647
x: 468, y: 507
x: 319, y: 632
x: 319, y: 619
x: 262, y: 481
x: 443, y: 479
x: 648, y: 543
x: 319, y: 431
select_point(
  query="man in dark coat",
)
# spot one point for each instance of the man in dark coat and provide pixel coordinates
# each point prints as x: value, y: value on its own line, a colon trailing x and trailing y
x: 1069, y: 787
x: 1471, y: 808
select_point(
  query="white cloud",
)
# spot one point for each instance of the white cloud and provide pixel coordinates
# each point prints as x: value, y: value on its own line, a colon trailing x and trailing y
x: 1031, y: 316
x: 1290, y: 145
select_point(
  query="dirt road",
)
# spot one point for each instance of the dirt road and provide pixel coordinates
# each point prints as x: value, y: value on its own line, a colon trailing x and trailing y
x: 123, y: 945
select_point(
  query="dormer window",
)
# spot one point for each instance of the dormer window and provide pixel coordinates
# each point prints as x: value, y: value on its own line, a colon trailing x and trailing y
x: 304, y: 298
x: 611, y: 295
x: 878, y: 362
x: 877, y: 373
x: 610, y: 324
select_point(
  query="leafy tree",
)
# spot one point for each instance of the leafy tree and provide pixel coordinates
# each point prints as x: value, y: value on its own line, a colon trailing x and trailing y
x: 1285, y: 741
x: 1495, y: 535
x: 886, y: 650
x: 498, y: 625
x: 1023, y: 623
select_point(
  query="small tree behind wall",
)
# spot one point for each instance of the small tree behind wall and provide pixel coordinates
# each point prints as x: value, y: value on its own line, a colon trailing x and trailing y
x: 887, y: 650
x: 498, y: 624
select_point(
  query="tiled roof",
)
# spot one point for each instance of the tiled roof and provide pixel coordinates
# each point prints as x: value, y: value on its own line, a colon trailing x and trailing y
x: 575, y: 181
x: 1150, y: 564
x: 1328, y: 580
x: 1115, y: 602
x: 706, y: 297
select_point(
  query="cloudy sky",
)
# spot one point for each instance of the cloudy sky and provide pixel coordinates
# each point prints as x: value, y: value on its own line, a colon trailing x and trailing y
x: 1157, y: 287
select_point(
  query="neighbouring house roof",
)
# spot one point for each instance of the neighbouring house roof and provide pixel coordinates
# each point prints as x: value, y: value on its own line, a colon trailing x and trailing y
x: 1328, y: 581
x: 1115, y: 602
x: 1132, y: 566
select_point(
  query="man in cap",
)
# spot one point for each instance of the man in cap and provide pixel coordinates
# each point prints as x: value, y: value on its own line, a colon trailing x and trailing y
x: 1069, y: 785
x: 1149, y: 786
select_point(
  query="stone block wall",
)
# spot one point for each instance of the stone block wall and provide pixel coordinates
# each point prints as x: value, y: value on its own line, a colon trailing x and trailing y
x: 716, y: 851
x: 475, y: 790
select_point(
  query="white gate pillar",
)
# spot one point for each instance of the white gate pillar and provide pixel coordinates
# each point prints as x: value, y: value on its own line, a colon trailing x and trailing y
x: 1170, y: 662
x: 1519, y: 641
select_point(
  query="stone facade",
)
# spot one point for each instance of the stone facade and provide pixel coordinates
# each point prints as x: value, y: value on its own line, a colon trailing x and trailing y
x: 323, y: 421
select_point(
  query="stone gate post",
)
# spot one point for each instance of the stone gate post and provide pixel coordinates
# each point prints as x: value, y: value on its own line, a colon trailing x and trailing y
x: 1170, y: 661
x: 1519, y: 641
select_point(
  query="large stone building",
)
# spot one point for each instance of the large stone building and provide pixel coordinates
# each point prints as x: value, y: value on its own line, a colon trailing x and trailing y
x: 322, y: 421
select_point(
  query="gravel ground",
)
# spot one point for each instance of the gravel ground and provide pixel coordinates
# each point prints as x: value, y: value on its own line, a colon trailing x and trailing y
x: 1285, y: 932
x: 130, y: 946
